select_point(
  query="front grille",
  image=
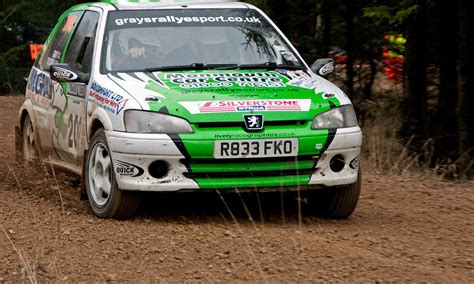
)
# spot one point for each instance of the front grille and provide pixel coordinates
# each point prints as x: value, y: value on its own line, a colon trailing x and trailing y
x: 240, y: 124
x: 248, y: 160
x: 250, y: 174
x: 248, y: 168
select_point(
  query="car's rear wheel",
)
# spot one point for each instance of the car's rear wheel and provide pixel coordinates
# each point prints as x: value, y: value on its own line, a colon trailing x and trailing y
x: 29, y: 146
x: 106, y: 199
x: 337, y: 203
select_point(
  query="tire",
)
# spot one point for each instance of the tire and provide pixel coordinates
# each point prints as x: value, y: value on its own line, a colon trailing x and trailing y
x: 29, y: 146
x: 338, y: 203
x: 105, y: 198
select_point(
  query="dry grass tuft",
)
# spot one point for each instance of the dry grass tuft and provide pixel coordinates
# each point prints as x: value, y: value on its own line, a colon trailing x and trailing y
x: 384, y: 153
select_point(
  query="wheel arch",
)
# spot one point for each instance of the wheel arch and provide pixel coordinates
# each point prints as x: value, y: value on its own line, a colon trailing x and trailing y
x: 26, y: 110
x: 98, y: 119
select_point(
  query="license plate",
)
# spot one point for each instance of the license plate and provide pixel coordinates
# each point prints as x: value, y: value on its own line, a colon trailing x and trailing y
x: 265, y: 148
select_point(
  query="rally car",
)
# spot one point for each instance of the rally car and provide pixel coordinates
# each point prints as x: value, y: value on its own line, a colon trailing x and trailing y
x: 169, y: 97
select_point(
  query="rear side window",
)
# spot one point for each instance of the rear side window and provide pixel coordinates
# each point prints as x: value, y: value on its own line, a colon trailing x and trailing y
x: 54, y: 51
x: 79, y: 53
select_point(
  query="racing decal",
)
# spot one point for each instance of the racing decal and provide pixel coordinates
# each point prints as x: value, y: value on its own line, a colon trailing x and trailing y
x: 139, y: 80
x: 70, y: 22
x: 245, y: 135
x: 354, y: 164
x: 154, y: 79
x: 178, y: 142
x: 56, y: 56
x: 39, y: 83
x: 64, y: 74
x: 247, y: 105
x: 77, y: 90
x: 304, y: 81
x: 192, y: 17
x: 216, y: 80
x: 331, y: 135
x: 289, y: 56
x: 67, y: 125
x: 127, y: 169
x: 107, y: 99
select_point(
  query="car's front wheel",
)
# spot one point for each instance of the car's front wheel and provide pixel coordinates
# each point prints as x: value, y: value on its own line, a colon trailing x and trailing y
x: 337, y: 203
x: 106, y: 199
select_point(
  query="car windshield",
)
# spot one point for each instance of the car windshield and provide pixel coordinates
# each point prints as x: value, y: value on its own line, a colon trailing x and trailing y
x: 193, y: 39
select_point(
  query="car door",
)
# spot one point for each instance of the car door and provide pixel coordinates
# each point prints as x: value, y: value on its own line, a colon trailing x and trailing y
x: 39, y: 88
x: 69, y: 99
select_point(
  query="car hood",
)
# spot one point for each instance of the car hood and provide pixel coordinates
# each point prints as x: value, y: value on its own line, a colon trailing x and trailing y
x: 225, y: 95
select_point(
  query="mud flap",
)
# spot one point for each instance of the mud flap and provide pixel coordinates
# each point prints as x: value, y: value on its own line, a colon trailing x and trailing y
x: 83, y: 192
x: 18, y: 145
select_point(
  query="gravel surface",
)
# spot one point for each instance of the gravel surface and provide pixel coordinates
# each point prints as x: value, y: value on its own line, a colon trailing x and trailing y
x: 405, y: 229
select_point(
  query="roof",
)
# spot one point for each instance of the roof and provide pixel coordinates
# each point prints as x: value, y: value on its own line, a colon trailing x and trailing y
x: 150, y: 4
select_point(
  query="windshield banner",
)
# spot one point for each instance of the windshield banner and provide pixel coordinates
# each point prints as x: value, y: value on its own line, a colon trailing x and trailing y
x: 194, y: 17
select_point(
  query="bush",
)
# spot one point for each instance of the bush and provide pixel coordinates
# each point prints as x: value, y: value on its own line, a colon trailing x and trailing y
x: 14, y: 67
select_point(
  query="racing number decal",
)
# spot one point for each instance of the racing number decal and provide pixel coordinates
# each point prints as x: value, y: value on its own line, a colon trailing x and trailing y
x: 73, y: 126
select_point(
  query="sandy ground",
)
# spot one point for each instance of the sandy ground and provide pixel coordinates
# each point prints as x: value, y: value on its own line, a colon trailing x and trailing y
x: 404, y: 229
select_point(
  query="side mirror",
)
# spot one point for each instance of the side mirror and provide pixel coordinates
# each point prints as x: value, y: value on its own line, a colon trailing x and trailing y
x: 65, y: 73
x: 324, y: 66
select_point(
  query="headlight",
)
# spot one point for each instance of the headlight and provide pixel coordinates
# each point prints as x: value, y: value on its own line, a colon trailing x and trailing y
x: 343, y: 116
x: 137, y: 121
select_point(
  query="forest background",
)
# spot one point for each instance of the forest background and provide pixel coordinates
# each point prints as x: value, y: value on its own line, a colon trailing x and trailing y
x: 406, y: 64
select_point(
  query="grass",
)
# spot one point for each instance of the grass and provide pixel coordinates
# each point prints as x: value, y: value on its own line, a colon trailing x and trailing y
x: 28, y: 271
x: 384, y: 153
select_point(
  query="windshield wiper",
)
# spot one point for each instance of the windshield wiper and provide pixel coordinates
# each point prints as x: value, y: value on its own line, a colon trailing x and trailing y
x: 193, y: 66
x: 267, y: 66
x: 202, y: 66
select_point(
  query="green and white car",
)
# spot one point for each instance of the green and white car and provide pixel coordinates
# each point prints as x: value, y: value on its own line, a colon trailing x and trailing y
x: 166, y: 97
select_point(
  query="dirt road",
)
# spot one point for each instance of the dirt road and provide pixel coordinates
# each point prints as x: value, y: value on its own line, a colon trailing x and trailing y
x: 404, y: 229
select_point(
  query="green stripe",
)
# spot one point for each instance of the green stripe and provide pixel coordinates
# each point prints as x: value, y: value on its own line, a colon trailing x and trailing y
x: 252, y: 167
x: 211, y: 183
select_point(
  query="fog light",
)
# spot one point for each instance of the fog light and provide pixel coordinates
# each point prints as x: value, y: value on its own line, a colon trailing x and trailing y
x: 158, y: 169
x: 337, y: 163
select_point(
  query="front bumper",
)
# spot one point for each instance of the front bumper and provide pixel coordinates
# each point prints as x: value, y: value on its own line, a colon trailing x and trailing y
x: 133, y: 154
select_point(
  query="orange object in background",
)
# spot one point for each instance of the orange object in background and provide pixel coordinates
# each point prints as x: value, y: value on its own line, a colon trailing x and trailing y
x: 35, y: 50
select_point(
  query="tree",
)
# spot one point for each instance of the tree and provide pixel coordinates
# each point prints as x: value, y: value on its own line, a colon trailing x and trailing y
x: 350, y: 47
x: 445, y: 128
x: 323, y: 27
x: 414, y: 106
x: 466, y: 87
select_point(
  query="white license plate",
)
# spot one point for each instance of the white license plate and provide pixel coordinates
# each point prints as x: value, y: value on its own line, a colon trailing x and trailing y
x: 265, y: 148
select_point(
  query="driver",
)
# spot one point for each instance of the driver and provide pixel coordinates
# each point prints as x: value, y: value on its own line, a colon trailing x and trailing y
x: 138, y: 56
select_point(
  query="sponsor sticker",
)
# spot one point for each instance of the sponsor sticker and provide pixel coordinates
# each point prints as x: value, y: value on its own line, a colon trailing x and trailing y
x: 127, y: 169
x: 39, y: 83
x: 107, y: 99
x: 354, y: 164
x: 217, y: 80
x: 64, y: 74
x: 289, y: 56
x: 304, y: 82
x: 247, y: 105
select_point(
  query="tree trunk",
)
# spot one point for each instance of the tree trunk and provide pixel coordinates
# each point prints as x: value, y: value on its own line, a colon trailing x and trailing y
x: 414, y: 105
x: 350, y: 47
x: 445, y: 132
x: 373, y: 71
x: 323, y: 28
x: 466, y: 88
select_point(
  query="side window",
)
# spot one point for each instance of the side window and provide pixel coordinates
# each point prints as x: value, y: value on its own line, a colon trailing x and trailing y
x: 54, y: 50
x: 80, y: 51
